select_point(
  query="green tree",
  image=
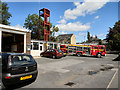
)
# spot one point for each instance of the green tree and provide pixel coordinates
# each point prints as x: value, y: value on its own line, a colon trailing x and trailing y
x: 5, y: 14
x: 32, y: 23
x: 100, y: 42
x: 116, y: 41
x: 88, y: 36
x: 53, y: 31
x: 113, y: 37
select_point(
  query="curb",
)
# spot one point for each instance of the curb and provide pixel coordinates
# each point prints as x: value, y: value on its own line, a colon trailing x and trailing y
x: 35, y: 57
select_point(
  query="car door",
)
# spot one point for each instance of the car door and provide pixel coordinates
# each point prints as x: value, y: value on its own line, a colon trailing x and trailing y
x: 53, y: 53
x: 46, y: 53
x: 50, y: 53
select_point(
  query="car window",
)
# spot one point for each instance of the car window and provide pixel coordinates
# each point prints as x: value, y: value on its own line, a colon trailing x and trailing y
x: 26, y: 58
x: 20, y: 59
x: 17, y: 57
x: 59, y: 50
x: 48, y: 51
x: 54, y: 51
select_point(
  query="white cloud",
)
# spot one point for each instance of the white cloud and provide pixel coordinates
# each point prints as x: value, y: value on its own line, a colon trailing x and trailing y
x: 18, y: 26
x: 60, y: 32
x: 100, y: 35
x: 76, y: 26
x: 80, y: 34
x: 63, y: 32
x: 87, y: 7
x: 76, y: 3
x: 96, y: 17
x: 60, y: 16
x: 63, y: 21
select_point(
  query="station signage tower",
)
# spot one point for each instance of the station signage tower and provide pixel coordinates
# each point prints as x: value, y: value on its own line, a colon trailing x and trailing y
x: 44, y: 24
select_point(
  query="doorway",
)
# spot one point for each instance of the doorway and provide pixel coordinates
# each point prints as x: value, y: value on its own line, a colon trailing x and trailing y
x: 12, y: 42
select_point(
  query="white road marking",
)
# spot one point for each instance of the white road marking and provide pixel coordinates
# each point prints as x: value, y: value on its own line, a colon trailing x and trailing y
x: 59, y: 66
x: 112, y: 79
x: 110, y: 64
x: 109, y: 58
x: 93, y: 58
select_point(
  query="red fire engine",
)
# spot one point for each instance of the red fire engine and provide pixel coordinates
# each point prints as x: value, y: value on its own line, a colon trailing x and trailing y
x: 93, y: 50
x: 89, y: 50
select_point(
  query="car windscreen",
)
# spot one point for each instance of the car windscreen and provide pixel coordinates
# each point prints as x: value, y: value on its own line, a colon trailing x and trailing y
x: 59, y: 51
x: 62, y: 47
x: 21, y: 59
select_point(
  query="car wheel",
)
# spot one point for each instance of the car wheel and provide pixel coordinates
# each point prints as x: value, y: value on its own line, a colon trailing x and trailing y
x: 99, y: 55
x: 3, y: 87
x: 41, y: 55
x: 53, y: 57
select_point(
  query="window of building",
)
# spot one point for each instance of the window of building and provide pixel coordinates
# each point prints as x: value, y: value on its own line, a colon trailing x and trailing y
x: 35, y: 46
x: 55, y: 46
x: 41, y: 43
x: 41, y: 48
x: 31, y: 46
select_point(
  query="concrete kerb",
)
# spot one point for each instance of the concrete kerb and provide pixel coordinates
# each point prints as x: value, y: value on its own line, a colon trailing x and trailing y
x: 35, y: 57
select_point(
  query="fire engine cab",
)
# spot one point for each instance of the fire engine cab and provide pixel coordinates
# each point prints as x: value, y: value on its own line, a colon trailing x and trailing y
x: 64, y: 48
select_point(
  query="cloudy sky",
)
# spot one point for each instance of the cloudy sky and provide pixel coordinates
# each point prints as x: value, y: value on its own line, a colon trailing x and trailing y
x: 71, y: 17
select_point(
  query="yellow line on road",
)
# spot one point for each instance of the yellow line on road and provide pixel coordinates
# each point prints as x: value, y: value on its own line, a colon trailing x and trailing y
x: 112, y: 79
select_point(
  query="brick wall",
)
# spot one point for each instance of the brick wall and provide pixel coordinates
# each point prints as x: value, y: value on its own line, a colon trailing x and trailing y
x: 28, y: 40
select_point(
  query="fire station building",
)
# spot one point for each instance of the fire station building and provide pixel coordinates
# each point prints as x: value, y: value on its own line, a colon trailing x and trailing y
x: 13, y: 39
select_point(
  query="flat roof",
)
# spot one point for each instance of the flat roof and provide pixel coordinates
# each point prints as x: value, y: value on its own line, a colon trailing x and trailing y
x: 14, y: 28
x: 43, y: 41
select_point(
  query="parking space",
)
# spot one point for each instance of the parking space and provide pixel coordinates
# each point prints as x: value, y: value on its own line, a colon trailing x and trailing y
x: 76, y: 72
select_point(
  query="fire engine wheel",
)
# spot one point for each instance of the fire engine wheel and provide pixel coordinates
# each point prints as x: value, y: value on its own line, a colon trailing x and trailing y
x: 99, y: 55
x: 53, y: 57
x: 78, y: 54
